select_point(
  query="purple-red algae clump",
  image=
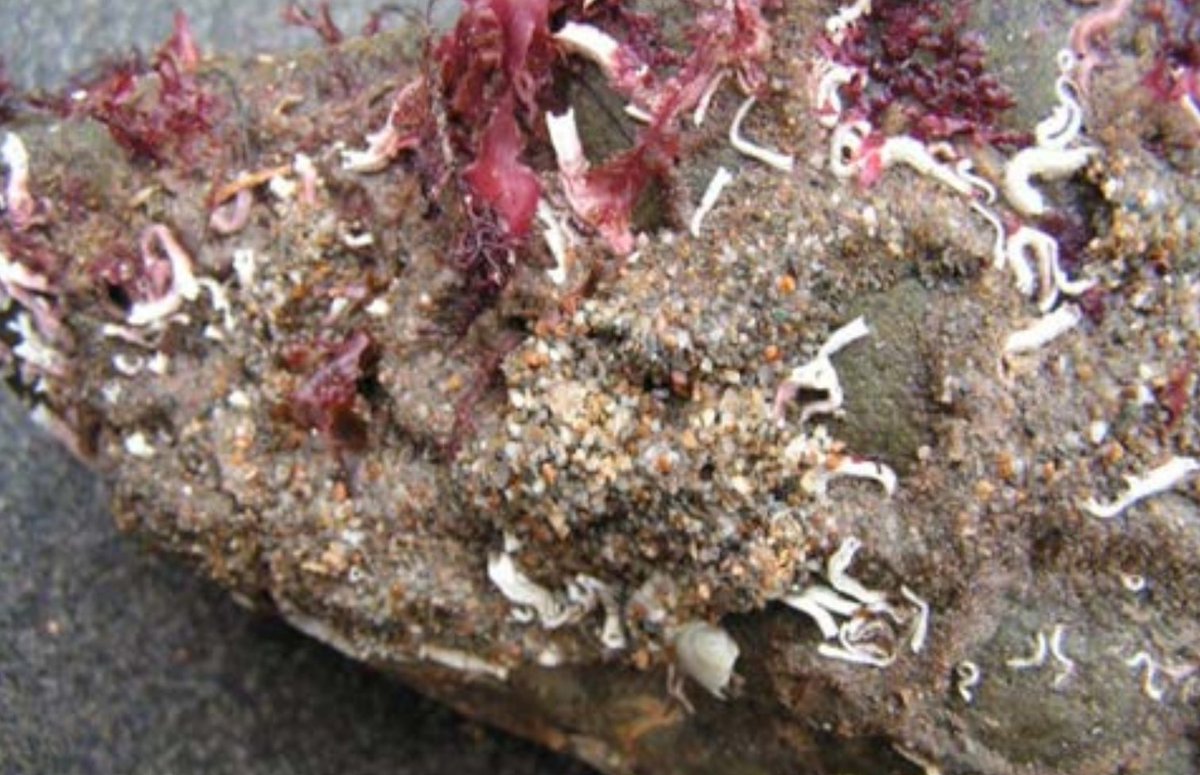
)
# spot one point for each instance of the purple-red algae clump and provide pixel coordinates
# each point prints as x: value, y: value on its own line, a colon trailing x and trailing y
x: 1175, y: 74
x: 170, y: 120
x: 926, y: 68
x: 326, y: 400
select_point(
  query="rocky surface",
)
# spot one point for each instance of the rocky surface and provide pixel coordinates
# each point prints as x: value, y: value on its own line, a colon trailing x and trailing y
x: 573, y: 519
x: 116, y: 659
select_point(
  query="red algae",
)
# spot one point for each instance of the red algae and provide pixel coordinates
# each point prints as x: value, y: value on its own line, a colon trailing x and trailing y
x: 925, y: 67
x: 171, y: 119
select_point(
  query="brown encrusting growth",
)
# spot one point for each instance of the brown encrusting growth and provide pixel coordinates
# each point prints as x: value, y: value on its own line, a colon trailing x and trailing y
x: 563, y: 365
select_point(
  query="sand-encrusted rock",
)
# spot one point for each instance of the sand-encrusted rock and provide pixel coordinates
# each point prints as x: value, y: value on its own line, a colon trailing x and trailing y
x: 601, y: 517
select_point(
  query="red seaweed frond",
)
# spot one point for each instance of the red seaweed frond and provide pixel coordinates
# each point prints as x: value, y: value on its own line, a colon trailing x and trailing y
x: 326, y: 401
x: 484, y: 257
x: 498, y: 47
x: 321, y: 22
x: 492, y: 86
x: 500, y: 179
x: 1175, y: 74
x: 173, y: 118
x: 8, y: 95
x: 1176, y: 392
x: 734, y: 36
x: 492, y: 68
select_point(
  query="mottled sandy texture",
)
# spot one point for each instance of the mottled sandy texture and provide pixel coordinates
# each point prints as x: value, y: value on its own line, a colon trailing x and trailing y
x: 633, y: 438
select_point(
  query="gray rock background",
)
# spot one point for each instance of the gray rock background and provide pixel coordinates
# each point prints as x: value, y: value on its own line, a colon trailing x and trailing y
x: 45, y: 41
x: 113, y: 660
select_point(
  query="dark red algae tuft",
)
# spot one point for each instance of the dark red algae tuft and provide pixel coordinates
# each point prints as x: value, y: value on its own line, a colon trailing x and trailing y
x: 326, y: 400
x: 166, y: 119
x: 1175, y: 74
x: 927, y: 68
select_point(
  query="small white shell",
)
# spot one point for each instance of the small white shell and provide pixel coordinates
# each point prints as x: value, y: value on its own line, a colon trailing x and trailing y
x: 522, y: 591
x: 706, y: 653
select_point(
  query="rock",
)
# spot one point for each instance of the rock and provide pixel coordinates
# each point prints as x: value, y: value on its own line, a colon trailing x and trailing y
x: 568, y: 508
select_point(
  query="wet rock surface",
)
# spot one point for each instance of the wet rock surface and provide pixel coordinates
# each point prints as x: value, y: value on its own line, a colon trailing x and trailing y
x: 536, y: 521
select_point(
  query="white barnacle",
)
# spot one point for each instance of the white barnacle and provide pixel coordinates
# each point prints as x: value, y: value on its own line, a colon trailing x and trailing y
x: 17, y: 199
x: 1150, y: 685
x: 220, y: 301
x: 720, y: 179
x: 833, y: 76
x: 706, y: 653
x: 706, y: 97
x: 1044, y: 330
x: 128, y: 365
x: 1044, y: 163
x: 836, y: 567
x: 1064, y: 123
x: 869, y: 636
x: 33, y: 348
x: 903, y: 149
x: 771, y: 158
x: 1036, y: 658
x: 551, y: 656
x: 15, y: 274
x: 1052, y: 280
x: 846, y: 147
x: 461, y: 661
x: 584, y: 593
x: 590, y: 42
x: 640, y: 115
x: 837, y: 25
x: 1158, y: 480
x: 1022, y: 243
x: 382, y: 145
x: 819, y: 375
x: 183, y: 282
x: 1133, y: 582
x: 999, y: 252
x: 282, y: 187
x: 816, y: 481
x: 820, y: 603
x: 1058, y: 638
x: 965, y: 169
x: 378, y: 153
x: 967, y: 676
x: 858, y: 656
x: 245, y: 266
x: 564, y: 138
x: 239, y: 399
x: 556, y: 241
x: 137, y: 445
x: 920, y: 628
x: 523, y: 592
